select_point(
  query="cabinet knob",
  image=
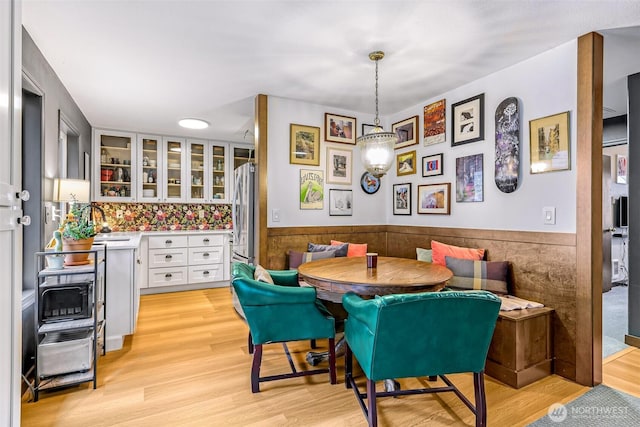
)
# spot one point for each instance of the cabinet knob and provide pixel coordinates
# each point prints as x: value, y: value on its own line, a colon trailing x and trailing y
x: 205, y: 273
x: 168, y: 242
x: 168, y: 256
x: 206, y: 254
x: 205, y: 240
x: 168, y: 276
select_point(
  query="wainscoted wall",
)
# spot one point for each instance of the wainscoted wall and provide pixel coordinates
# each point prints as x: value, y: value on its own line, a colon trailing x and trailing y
x: 167, y: 216
x: 543, y: 264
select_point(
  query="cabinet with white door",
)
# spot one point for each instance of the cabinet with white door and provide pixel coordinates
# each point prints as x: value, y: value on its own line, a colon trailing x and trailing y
x: 207, y: 174
x: 186, y: 260
x: 150, y: 168
x: 173, y: 166
x: 114, y: 166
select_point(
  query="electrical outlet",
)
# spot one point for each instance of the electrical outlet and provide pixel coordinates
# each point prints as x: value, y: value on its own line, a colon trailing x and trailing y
x: 201, y: 214
x: 119, y: 214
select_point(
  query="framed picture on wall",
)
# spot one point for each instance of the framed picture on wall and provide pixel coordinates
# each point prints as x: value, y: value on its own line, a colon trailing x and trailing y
x: 402, y: 199
x: 407, y: 132
x: 434, y: 199
x: 432, y: 165
x: 621, y: 169
x: 340, y: 202
x: 406, y: 163
x: 467, y: 120
x: 550, y: 149
x: 435, y: 122
x: 469, y: 178
x: 339, y: 165
x: 339, y: 129
x: 304, y: 145
x: 311, y: 189
x: 366, y: 128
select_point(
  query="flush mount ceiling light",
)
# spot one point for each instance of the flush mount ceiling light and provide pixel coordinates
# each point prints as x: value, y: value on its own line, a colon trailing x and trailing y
x: 376, y: 147
x: 193, y: 123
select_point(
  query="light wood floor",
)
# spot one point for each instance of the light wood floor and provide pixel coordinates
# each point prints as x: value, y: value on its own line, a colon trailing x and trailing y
x: 188, y: 365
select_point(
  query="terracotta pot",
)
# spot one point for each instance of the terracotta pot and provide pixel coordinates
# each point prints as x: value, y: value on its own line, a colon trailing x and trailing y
x: 77, y: 245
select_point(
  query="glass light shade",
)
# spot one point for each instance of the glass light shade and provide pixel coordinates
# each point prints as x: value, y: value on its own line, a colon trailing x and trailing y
x: 377, y: 151
x: 190, y: 123
x: 65, y: 190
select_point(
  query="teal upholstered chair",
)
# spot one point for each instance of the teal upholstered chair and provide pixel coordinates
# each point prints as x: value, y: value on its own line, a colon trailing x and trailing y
x: 280, y: 313
x: 383, y: 335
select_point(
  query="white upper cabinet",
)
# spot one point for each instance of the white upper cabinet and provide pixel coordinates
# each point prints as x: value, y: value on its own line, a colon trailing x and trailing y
x: 218, y: 175
x: 174, y: 168
x: 150, y: 168
x: 114, y: 166
x: 197, y: 178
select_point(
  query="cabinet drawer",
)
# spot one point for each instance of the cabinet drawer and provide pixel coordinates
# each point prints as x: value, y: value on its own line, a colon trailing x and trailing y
x: 157, y: 242
x: 167, y: 257
x: 206, y: 273
x: 206, y: 240
x: 201, y: 256
x: 167, y: 276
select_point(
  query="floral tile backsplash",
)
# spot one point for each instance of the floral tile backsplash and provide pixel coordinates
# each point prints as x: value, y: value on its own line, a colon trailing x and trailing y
x: 167, y: 216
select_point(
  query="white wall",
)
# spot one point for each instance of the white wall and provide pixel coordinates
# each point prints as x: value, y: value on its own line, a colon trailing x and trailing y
x: 283, y: 178
x: 545, y: 85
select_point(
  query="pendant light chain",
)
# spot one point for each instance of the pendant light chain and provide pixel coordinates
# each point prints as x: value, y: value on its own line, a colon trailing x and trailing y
x: 376, y: 122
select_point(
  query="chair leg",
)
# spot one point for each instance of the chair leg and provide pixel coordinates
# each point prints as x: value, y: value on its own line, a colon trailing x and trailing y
x: 481, y: 401
x: 348, y: 365
x: 313, y: 344
x: 332, y: 361
x: 250, y: 343
x: 255, y: 368
x: 372, y: 413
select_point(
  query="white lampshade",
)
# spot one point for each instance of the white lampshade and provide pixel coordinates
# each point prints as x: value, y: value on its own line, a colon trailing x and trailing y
x: 377, y: 151
x: 66, y: 190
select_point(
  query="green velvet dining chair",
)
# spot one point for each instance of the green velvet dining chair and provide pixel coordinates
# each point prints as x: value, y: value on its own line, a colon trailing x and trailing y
x: 383, y: 335
x: 280, y: 313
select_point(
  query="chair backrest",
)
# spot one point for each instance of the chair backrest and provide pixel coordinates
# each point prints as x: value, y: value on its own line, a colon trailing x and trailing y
x: 424, y: 334
x: 242, y: 270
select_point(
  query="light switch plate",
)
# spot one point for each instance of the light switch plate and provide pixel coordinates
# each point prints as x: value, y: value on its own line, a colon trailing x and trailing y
x: 275, y: 215
x: 549, y: 215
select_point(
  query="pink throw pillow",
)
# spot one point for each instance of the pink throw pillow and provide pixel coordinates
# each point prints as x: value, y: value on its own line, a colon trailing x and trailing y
x: 441, y: 250
x: 355, y: 249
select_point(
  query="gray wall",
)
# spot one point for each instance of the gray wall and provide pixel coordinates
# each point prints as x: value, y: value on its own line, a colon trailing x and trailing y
x: 56, y: 99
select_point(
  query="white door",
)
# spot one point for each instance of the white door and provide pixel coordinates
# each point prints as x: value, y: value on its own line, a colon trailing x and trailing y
x: 10, y: 212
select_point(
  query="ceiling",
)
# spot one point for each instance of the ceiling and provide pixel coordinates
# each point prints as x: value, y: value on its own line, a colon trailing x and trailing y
x: 141, y: 65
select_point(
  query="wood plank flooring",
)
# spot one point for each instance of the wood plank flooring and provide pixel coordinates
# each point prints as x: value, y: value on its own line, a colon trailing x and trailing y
x: 188, y: 365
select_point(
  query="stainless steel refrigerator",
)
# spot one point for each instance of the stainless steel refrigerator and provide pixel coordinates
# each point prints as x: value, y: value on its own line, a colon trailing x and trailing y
x: 244, y: 215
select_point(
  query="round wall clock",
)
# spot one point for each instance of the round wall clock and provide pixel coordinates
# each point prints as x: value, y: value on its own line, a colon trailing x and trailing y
x: 369, y: 183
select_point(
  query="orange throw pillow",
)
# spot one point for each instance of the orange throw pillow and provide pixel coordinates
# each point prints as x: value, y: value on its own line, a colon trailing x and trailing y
x: 355, y: 249
x: 441, y: 250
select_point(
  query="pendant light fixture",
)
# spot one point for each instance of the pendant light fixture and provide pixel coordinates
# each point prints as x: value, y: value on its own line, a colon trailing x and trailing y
x: 376, y: 147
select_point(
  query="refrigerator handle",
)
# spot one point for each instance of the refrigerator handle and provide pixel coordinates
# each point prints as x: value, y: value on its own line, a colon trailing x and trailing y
x: 236, y: 215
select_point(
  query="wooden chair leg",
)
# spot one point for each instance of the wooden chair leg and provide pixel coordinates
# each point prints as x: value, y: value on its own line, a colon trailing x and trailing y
x: 255, y: 369
x: 348, y: 365
x: 250, y: 343
x: 481, y: 401
x: 332, y: 361
x: 372, y: 412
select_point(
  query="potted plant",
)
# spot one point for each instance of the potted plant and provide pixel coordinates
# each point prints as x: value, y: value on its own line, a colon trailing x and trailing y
x: 77, y: 234
x: 55, y: 262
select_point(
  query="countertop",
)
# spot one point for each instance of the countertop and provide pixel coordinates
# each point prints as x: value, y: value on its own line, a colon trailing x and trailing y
x: 131, y: 239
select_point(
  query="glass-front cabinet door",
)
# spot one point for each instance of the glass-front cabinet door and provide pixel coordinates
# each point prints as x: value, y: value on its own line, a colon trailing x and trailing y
x: 114, y: 166
x: 197, y: 166
x: 149, y: 168
x: 174, y: 189
x: 217, y: 176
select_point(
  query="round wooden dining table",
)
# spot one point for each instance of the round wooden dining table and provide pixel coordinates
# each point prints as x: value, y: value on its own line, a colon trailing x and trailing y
x: 333, y: 277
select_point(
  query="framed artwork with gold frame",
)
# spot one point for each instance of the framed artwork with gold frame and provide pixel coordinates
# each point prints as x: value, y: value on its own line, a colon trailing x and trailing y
x: 304, y: 145
x: 406, y: 163
x: 550, y: 145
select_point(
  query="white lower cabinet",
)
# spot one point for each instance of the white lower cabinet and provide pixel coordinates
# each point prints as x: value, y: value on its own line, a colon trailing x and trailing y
x: 186, y: 261
x: 123, y: 295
